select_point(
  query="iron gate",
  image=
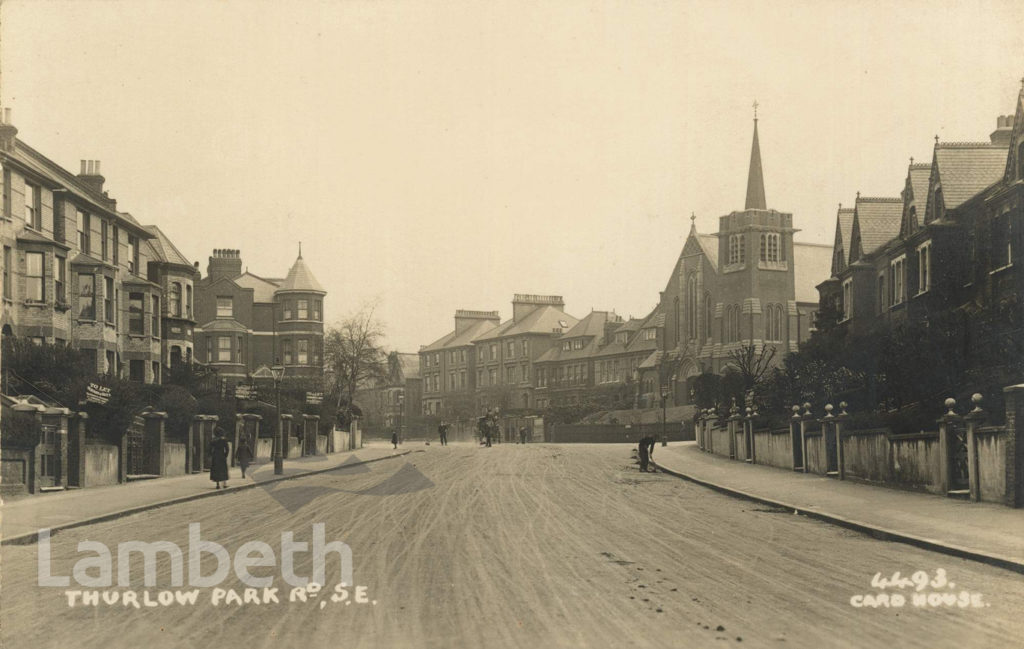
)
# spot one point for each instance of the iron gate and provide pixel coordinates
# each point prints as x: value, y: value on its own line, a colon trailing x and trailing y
x: 136, y: 452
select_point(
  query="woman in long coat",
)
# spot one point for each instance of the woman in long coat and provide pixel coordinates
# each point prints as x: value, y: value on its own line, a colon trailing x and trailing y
x: 219, y: 450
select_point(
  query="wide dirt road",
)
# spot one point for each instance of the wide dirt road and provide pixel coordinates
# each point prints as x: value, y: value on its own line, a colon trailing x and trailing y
x: 537, y: 546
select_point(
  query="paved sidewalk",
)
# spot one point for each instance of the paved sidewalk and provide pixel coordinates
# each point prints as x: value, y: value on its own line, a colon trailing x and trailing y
x: 25, y: 515
x: 982, y: 531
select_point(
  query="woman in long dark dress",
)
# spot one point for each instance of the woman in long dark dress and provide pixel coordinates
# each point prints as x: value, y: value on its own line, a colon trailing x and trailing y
x: 219, y: 450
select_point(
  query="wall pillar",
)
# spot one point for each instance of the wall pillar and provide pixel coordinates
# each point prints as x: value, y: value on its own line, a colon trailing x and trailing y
x: 974, y: 419
x: 76, y: 439
x: 945, y: 445
x: 154, y: 441
x: 1014, y: 396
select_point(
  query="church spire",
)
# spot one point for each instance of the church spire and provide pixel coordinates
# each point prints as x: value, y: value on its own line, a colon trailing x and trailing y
x: 755, y: 179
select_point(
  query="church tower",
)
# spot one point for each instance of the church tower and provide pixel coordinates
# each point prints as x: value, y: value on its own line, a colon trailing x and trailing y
x: 756, y: 271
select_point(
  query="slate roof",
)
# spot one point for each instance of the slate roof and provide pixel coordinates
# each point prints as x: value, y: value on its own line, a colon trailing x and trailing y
x: 966, y: 168
x: 300, y: 278
x: 920, y: 173
x: 877, y: 222
x: 165, y: 250
x: 812, y: 264
x: 542, y: 320
x: 262, y: 289
x: 591, y: 326
x: 709, y: 244
x: 450, y: 339
x: 844, y: 223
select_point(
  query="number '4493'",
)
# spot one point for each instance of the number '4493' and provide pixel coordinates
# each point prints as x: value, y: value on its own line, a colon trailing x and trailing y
x: 918, y: 581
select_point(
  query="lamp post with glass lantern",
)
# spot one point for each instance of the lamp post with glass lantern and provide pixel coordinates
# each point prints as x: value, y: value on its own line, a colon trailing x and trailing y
x: 401, y: 402
x: 278, y: 373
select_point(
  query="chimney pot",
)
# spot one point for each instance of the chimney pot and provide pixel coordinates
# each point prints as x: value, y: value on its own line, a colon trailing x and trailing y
x: 97, y: 167
x: 83, y: 171
x: 7, y: 116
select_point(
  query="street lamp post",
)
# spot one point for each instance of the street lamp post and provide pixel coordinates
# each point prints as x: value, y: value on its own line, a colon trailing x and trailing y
x: 278, y: 372
x: 401, y: 401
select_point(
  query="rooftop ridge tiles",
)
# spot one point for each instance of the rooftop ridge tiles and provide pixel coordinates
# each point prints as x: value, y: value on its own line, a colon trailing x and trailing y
x: 969, y: 145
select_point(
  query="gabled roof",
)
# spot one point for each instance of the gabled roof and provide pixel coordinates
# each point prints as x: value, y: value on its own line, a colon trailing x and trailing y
x: 876, y: 222
x: 706, y: 244
x: 915, y: 197
x: 164, y: 249
x: 591, y: 325
x: 262, y: 288
x: 841, y: 242
x: 300, y: 278
x: 654, y: 319
x: 966, y: 168
x: 812, y: 262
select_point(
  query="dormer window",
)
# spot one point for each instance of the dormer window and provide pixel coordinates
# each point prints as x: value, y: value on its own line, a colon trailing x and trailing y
x: 650, y: 333
x: 567, y: 346
x: 577, y: 344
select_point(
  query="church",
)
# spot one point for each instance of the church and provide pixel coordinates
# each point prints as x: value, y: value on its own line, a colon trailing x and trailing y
x: 749, y: 284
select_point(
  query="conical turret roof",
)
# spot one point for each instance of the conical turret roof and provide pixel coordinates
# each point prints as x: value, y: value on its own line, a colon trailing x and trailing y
x: 300, y: 278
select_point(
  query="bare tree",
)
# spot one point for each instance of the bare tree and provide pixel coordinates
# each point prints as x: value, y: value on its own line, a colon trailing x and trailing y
x: 753, y: 363
x: 353, y: 357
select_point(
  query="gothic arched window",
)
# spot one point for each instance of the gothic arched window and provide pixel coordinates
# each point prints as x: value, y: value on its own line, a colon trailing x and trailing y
x: 691, y: 306
x: 709, y: 315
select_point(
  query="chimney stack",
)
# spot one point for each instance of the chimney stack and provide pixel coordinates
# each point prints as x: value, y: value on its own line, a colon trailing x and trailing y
x: 465, y: 318
x: 224, y: 262
x: 8, y: 133
x: 1004, y: 130
x: 90, y: 175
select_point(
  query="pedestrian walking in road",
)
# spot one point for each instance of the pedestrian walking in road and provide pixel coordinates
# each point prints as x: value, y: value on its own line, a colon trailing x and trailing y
x: 219, y: 451
x: 644, y: 450
x: 442, y: 432
x: 522, y: 434
x: 394, y: 440
x: 243, y: 455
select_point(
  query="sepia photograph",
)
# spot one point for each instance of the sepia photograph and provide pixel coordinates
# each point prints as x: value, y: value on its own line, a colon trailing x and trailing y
x: 511, y: 324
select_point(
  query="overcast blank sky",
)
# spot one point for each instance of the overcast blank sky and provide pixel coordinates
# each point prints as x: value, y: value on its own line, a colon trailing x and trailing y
x: 445, y: 155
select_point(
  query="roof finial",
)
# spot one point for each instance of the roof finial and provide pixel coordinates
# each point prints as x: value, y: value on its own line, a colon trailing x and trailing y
x: 911, y: 160
x: 858, y: 195
x: 300, y: 250
x: 756, y: 105
x: 936, y: 138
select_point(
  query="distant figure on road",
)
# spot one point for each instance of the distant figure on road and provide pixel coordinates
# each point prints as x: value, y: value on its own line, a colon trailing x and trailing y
x: 394, y: 440
x: 243, y: 456
x: 522, y: 434
x: 219, y: 451
x: 645, y: 450
x: 442, y: 432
